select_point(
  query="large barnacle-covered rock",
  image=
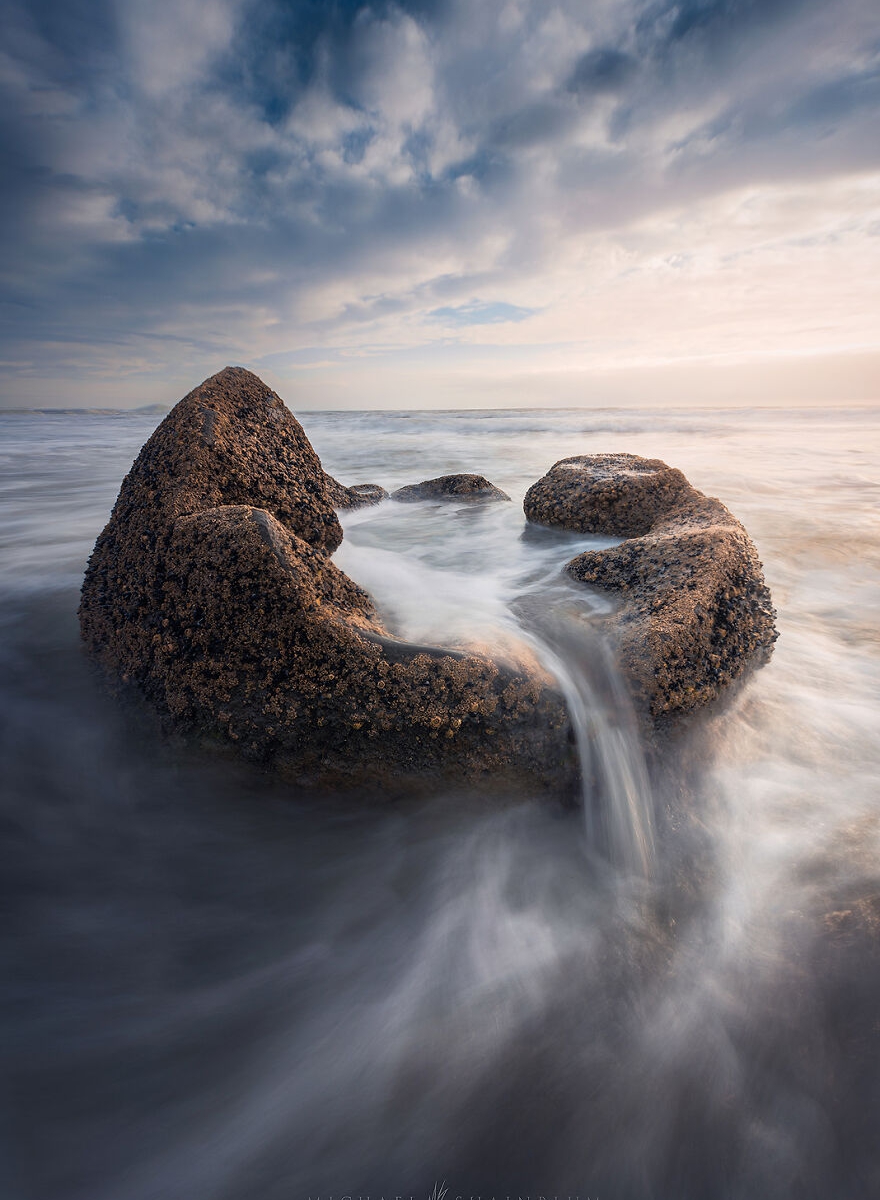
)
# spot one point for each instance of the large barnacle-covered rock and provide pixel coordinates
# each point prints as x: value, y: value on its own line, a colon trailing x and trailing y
x: 212, y: 591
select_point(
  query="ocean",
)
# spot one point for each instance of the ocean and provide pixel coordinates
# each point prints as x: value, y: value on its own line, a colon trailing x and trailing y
x: 217, y: 987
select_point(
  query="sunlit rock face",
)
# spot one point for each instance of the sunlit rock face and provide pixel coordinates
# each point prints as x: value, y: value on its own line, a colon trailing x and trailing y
x: 450, y: 487
x: 695, y: 613
x: 212, y: 591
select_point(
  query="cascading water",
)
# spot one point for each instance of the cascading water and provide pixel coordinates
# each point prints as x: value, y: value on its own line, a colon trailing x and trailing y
x: 616, y: 792
x: 514, y: 591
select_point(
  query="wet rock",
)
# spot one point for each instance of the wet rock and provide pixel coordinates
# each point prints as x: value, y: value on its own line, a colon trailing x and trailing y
x: 360, y: 495
x: 450, y: 487
x: 617, y: 494
x: 212, y: 592
x: 695, y: 613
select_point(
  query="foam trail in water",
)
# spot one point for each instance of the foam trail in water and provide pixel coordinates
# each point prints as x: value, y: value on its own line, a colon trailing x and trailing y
x: 425, y: 600
x: 617, y: 797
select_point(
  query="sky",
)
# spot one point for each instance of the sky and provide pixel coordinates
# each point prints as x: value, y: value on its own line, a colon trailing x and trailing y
x: 441, y: 203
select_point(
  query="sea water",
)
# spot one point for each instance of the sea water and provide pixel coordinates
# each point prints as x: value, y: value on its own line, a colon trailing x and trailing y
x: 217, y: 986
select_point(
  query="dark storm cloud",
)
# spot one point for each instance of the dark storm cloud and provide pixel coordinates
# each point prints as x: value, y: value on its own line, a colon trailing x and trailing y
x: 602, y: 70
x: 537, y: 124
x: 211, y: 170
x: 288, y: 44
x: 719, y: 25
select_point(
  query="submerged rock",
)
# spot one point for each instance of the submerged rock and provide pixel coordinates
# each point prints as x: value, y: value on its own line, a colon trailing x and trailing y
x: 358, y: 496
x: 450, y: 487
x: 695, y: 612
x: 212, y: 591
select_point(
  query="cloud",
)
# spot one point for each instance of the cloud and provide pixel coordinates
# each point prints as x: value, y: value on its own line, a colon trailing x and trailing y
x: 604, y: 69
x: 199, y: 180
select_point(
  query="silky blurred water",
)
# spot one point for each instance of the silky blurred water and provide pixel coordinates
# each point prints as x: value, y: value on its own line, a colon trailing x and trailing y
x: 219, y: 987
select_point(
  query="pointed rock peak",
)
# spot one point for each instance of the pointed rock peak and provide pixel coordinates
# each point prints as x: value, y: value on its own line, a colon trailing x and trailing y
x: 232, y: 440
x: 237, y: 389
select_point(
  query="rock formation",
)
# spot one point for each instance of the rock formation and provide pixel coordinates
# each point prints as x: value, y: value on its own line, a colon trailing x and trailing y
x: 358, y: 496
x: 695, y: 613
x: 450, y: 487
x: 212, y: 591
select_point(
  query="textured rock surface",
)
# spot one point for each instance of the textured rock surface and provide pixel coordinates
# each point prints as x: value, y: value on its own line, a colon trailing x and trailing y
x: 695, y: 612
x: 450, y: 487
x: 617, y: 494
x: 358, y: 496
x: 212, y: 591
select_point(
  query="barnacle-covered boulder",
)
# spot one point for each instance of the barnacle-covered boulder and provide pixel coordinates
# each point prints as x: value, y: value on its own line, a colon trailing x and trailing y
x: 212, y: 591
x: 695, y: 613
x: 450, y: 487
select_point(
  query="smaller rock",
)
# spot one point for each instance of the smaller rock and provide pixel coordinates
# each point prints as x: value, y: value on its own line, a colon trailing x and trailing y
x: 358, y: 496
x: 621, y: 495
x: 450, y: 487
x: 695, y: 611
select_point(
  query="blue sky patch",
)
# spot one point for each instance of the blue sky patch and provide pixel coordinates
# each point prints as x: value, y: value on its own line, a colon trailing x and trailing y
x: 480, y: 312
